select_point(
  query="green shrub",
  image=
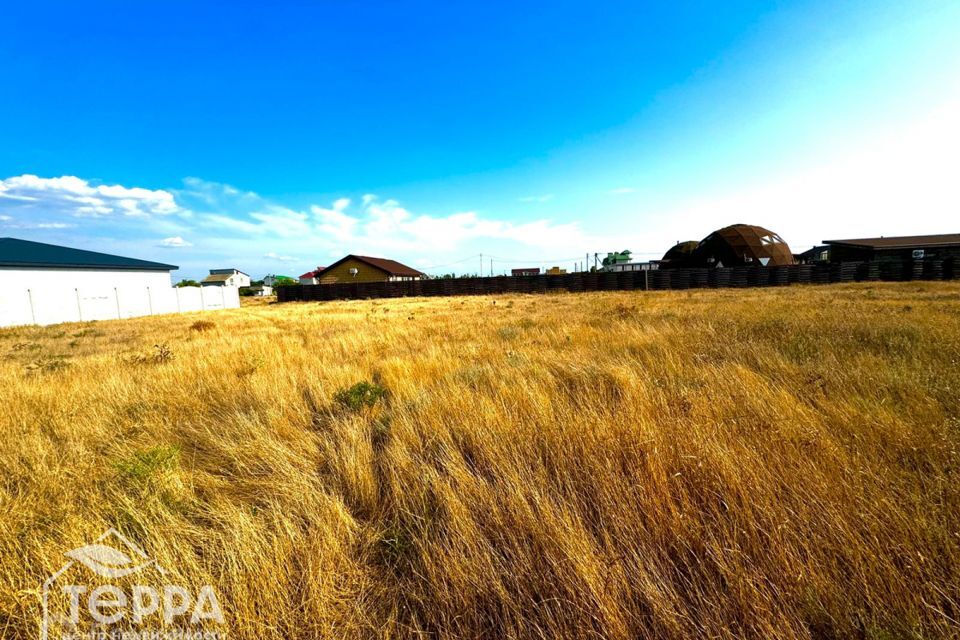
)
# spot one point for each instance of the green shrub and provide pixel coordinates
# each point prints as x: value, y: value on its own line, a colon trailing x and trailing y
x: 143, y: 464
x: 362, y: 394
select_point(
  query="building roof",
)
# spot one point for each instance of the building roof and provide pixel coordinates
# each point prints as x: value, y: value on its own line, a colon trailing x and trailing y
x: 25, y: 253
x: 219, y: 272
x: 313, y: 274
x: 902, y: 242
x: 391, y: 267
x: 218, y: 277
x: 741, y: 244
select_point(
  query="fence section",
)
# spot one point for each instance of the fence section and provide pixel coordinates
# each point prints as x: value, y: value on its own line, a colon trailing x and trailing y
x: 627, y: 280
x: 50, y: 306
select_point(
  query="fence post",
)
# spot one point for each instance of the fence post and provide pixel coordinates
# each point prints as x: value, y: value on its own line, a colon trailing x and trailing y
x: 33, y: 313
x: 646, y: 279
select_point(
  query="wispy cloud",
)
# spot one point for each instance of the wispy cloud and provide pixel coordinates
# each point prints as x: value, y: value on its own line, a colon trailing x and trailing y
x: 280, y: 258
x: 547, y: 197
x: 175, y: 242
x: 619, y: 191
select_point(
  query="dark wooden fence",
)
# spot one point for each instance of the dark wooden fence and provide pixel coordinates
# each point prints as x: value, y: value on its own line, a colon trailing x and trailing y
x: 632, y: 280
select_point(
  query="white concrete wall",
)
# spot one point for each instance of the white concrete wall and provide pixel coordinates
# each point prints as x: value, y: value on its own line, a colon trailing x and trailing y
x: 39, y: 297
x: 85, y: 278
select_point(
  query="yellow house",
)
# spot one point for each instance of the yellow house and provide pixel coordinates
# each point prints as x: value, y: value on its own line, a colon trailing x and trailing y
x: 366, y: 269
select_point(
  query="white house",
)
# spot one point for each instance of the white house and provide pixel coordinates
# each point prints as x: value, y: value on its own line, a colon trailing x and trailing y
x: 226, y: 278
x: 46, y: 284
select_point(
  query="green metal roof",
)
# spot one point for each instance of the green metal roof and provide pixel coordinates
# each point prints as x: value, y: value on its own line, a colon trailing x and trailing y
x: 24, y: 253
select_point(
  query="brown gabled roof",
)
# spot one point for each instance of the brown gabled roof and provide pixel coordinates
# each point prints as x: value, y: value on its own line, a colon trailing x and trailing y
x: 391, y: 267
x: 220, y: 277
x: 902, y: 242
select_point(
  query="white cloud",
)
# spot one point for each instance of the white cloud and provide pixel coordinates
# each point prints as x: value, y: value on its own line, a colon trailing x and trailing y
x: 54, y: 225
x: 280, y: 258
x: 175, y: 242
x: 384, y: 226
x: 547, y: 197
x: 69, y: 195
x: 5, y: 218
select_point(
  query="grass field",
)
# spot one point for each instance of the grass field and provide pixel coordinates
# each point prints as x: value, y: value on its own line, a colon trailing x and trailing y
x: 733, y: 463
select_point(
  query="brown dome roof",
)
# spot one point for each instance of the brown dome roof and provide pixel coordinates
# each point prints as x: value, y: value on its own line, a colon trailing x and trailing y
x: 680, y: 250
x: 743, y: 244
x: 679, y: 254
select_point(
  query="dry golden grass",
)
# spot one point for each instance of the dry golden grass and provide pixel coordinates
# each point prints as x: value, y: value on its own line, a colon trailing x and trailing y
x: 761, y: 464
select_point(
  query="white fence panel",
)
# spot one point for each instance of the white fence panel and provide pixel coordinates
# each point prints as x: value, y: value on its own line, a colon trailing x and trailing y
x: 231, y: 297
x: 97, y: 304
x: 164, y: 300
x: 189, y: 299
x: 56, y: 305
x: 133, y: 303
x: 213, y: 297
x: 15, y: 308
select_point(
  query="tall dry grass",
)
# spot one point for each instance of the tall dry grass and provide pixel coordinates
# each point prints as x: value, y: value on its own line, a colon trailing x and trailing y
x: 758, y: 464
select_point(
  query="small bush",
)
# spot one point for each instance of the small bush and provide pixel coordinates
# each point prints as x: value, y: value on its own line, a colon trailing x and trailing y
x: 202, y: 325
x: 47, y: 365
x: 162, y: 353
x: 362, y: 394
x: 143, y: 464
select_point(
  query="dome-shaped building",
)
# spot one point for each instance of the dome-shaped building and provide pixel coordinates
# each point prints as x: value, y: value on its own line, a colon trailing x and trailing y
x: 679, y: 255
x: 742, y: 244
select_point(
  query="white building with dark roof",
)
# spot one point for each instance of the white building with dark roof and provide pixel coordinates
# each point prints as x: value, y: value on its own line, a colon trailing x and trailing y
x: 226, y: 278
x: 46, y: 284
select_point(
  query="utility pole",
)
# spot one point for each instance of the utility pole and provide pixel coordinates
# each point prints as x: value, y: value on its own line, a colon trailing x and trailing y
x: 491, y: 267
x: 480, y: 273
x: 586, y: 262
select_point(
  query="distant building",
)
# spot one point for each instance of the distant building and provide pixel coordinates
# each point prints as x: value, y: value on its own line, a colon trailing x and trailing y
x: 525, y: 271
x: 820, y: 253
x: 937, y: 247
x: 742, y: 245
x: 617, y: 257
x: 312, y: 277
x: 679, y: 255
x: 46, y: 266
x: 555, y: 271
x: 226, y: 278
x: 631, y: 266
x: 275, y: 280
x: 353, y: 268
x: 258, y: 290
x: 47, y: 284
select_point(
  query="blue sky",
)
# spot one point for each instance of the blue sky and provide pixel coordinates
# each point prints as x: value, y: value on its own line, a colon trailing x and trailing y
x: 278, y: 137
